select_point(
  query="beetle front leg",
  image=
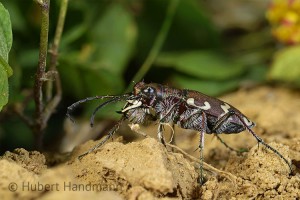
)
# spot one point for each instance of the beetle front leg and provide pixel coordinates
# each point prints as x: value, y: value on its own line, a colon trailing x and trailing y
x: 108, y: 136
x: 160, y: 134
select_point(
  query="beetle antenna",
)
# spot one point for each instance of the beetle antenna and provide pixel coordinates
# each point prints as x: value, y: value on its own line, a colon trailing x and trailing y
x: 100, y: 106
x: 74, y: 105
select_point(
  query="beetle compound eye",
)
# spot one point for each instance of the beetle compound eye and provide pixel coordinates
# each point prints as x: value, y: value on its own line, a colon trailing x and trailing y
x: 149, y: 91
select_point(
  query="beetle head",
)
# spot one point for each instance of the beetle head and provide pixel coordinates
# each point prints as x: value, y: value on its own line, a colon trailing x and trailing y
x: 148, y: 92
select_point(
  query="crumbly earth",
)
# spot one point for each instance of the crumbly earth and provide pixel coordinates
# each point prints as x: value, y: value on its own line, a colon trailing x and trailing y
x: 144, y: 169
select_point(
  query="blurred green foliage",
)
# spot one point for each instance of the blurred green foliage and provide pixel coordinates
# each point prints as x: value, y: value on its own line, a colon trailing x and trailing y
x: 99, y: 65
x: 286, y: 66
x: 5, y: 46
x: 105, y: 42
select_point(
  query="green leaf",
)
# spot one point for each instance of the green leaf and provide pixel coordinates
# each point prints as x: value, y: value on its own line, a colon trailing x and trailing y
x: 97, y: 68
x: 5, y: 66
x: 113, y: 37
x: 16, y: 12
x: 84, y: 79
x: 211, y: 88
x: 191, y: 27
x: 5, y: 46
x: 286, y: 65
x: 3, y: 87
x: 5, y: 38
x: 73, y: 34
x: 102, y: 82
x: 5, y: 33
x: 201, y: 64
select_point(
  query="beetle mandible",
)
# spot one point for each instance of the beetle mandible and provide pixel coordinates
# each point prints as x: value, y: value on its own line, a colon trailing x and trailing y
x: 185, y: 108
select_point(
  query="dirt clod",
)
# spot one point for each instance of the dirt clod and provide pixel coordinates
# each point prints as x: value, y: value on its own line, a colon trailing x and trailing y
x: 33, y: 161
x: 145, y: 169
x: 146, y: 163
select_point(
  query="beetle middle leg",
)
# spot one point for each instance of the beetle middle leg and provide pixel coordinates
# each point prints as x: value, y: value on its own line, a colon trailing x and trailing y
x: 160, y: 134
x: 201, y: 146
x: 229, y: 147
x: 168, y: 112
x: 196, y: 119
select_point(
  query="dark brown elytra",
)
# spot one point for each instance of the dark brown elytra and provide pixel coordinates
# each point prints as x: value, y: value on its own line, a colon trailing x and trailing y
x: 187, y: 109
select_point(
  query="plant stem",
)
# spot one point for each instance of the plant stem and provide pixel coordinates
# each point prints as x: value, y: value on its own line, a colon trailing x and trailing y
x: 54, y: 51
x: 53, y: 102
x: 44, y: 112
x: 161, y: 37
x: 40, y: 73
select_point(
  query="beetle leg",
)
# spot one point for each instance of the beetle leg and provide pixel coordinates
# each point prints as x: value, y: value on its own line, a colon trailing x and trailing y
x: 172, y: 140
x: 108, y: 136
x: 163, y: 117
x: 137, y: 129
x: 229, y: 147
x: 160, y: 134
x: 259, y: 140
x: 223, y: 119
x: 218, y: 124
x: 201, y: 146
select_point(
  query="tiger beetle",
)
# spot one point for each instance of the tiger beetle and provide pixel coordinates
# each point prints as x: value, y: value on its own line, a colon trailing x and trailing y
x: 185, y: 108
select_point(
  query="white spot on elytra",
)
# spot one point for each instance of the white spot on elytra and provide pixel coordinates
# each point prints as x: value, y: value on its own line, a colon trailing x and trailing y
x: 247, y: 121
x: 206, y: 106
x: 225, y: 107
x: 191, y: 101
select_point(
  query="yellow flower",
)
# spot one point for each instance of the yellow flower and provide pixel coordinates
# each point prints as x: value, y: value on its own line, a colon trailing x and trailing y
x: 284, y: 16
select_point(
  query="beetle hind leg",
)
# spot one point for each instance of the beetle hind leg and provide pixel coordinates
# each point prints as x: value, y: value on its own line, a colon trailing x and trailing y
x: 259, y: 140
x: 216, y: 129
x: 224, y: 118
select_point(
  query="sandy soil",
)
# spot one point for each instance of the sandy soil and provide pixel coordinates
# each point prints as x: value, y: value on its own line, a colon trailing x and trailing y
x: 145, y: 169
